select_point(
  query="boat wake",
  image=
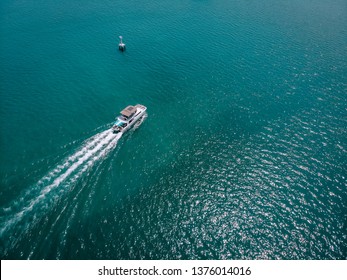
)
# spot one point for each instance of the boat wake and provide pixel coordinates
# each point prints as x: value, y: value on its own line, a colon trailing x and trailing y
x: 50, y: 188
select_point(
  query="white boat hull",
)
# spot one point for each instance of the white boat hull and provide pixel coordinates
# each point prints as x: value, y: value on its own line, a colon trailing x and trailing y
x: 140, y: 112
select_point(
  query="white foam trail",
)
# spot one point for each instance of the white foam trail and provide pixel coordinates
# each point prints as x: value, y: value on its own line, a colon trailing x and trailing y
x: 92, y: 151
x: 88, y: 144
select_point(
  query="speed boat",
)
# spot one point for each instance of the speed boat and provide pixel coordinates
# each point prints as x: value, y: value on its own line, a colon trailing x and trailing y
x: 128, y: 117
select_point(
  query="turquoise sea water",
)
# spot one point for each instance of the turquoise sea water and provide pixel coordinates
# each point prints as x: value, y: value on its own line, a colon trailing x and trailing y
x: 242, y: 154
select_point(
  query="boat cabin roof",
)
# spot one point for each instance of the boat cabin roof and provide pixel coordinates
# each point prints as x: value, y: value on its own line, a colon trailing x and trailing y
x: 128, y: 111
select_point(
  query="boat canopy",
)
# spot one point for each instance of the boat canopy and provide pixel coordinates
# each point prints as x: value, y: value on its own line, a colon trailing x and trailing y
x: 128, y: 111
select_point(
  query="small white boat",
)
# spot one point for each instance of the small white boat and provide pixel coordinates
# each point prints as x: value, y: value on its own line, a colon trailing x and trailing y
x: 128, y: 117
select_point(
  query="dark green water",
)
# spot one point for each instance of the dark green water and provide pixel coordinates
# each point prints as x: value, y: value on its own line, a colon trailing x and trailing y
x: 243, y: 154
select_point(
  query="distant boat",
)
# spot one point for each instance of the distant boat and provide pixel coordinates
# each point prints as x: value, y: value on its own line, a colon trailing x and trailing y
x: 121, y: 45
x: 128, y: 117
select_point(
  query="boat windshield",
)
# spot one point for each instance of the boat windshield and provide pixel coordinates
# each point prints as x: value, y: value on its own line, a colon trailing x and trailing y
x: 119, y: 122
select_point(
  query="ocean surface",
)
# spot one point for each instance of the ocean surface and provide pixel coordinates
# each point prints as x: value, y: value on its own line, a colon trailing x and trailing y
x: 242, y: 155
